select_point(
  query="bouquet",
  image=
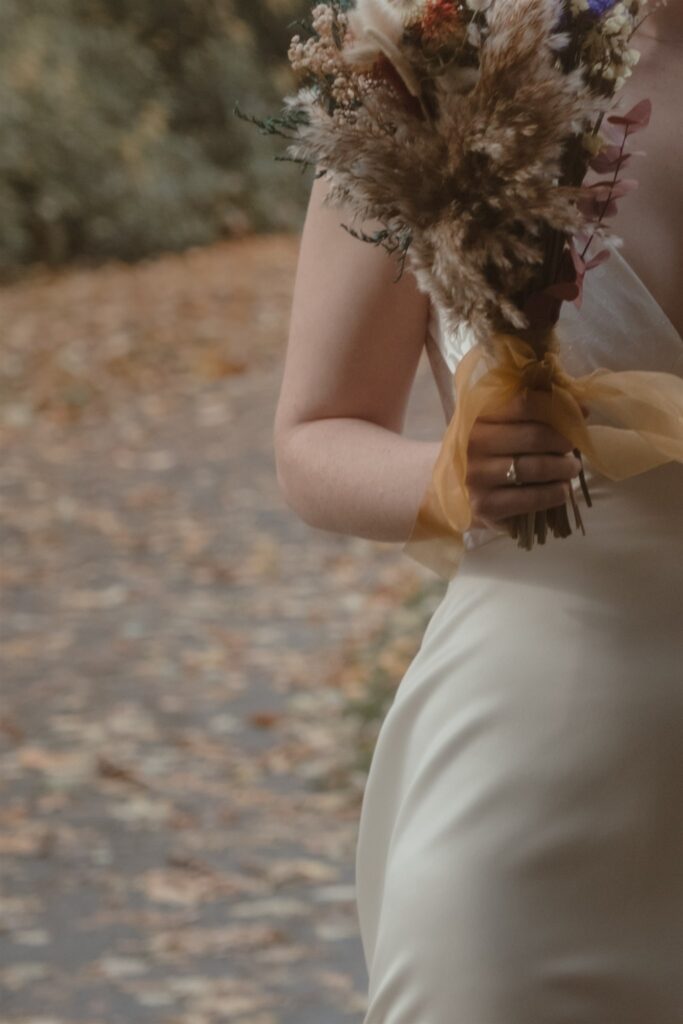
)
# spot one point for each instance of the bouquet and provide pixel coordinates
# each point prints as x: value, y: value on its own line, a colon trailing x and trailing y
x: 485, y: 137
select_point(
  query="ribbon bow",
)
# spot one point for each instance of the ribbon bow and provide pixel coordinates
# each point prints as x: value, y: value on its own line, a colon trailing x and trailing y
x: 644, y: 409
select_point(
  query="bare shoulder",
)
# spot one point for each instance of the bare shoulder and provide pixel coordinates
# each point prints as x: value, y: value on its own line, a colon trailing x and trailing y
x: 356, y: 334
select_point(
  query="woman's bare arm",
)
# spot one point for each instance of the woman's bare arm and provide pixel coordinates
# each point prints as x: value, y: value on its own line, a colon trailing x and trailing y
x: 354, y: 345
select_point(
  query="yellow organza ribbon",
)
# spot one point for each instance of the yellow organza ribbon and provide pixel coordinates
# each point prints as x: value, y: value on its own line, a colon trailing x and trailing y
x: 644, y: 408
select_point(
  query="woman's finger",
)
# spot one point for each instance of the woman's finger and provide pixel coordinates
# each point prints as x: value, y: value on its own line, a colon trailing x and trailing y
x: 487, y: 473
x: 502, y: 502
x: 516, y: 438
x: 527, y: 405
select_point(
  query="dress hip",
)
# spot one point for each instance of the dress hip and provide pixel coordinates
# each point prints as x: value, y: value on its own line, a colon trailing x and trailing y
x: 520, y: 850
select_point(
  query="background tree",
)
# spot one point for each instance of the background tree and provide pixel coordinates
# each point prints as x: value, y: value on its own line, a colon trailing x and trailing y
x: 118, y: 137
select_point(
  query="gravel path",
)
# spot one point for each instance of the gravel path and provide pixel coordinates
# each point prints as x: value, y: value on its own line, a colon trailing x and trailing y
x: 179, y: 781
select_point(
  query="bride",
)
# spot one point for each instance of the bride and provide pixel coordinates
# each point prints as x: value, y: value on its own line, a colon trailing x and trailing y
x: 520, y: 849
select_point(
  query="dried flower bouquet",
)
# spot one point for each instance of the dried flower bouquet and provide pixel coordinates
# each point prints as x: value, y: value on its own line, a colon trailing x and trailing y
x: 470, y: 130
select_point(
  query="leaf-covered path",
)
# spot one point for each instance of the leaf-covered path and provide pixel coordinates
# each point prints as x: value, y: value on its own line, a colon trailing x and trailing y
x: 179, y: 776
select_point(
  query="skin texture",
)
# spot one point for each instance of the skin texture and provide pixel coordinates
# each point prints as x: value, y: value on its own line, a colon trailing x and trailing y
x: 649, y: 221
x: 356, y: 338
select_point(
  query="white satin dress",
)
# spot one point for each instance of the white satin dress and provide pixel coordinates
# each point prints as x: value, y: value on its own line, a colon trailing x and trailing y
x: 520, y: 845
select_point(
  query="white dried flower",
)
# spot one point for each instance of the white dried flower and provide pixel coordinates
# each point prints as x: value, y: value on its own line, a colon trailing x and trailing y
x: 473, y: 35
x: 409, y: 10
x: 371, y: 21
x: 377, y: 28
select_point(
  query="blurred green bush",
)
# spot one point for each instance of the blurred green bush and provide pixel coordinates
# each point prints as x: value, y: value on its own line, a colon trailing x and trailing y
x: 117, y: 137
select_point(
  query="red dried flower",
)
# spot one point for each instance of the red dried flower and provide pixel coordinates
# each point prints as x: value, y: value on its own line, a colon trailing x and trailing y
x: 439, y: 21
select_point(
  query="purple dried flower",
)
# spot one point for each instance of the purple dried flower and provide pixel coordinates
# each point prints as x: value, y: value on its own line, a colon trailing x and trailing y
x: 600, y: 7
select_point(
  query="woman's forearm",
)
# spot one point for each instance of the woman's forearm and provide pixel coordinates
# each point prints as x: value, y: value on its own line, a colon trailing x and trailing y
x: 355, y: 477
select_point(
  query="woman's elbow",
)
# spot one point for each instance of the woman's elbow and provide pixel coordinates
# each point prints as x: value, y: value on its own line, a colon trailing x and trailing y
x: 291, y: 476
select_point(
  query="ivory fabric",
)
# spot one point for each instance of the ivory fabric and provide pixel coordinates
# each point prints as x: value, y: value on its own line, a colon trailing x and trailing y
x: 520, y: 845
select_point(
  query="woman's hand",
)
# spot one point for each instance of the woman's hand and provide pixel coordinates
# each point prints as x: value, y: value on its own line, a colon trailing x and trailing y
x: 543, y: 458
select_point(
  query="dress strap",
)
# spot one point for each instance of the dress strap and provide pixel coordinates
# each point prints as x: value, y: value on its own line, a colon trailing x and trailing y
x: 442, y: 375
